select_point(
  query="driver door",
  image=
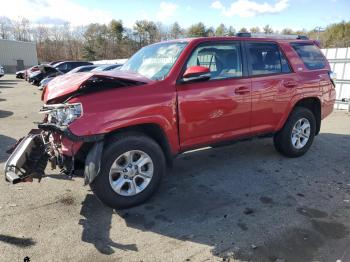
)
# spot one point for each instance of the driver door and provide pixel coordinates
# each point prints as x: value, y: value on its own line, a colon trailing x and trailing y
x: 217, y: 109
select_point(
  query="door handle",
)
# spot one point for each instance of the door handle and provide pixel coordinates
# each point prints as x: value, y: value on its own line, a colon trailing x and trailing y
x: 242, y: 90
x: 290, y: 84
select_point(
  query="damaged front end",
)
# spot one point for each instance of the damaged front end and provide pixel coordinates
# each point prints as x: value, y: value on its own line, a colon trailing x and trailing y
x: 28, y: 158
x: 54, y: 143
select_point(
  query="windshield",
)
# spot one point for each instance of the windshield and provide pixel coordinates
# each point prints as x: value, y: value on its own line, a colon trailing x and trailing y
x: 155, y: 61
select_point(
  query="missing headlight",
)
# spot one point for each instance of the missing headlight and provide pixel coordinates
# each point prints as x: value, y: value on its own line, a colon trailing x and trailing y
x: 62, y: 114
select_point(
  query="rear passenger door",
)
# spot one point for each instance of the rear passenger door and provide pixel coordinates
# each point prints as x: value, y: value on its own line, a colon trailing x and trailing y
x: 273, y: 84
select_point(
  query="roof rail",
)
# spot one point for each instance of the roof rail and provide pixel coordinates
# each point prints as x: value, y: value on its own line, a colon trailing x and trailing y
x: 244, y: 34
x: 278, y: 36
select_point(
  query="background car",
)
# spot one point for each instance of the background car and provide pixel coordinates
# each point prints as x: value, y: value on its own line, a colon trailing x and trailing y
x: 45, y: 81
x: 67, y: 66
x: 79, y: 69
x: 30, y: 71
x: 85, y: 68
x: 2, y: 71
x: 20, y: 74
x: 44, y: 71
x: 107, y: 67
x: 54, y: 62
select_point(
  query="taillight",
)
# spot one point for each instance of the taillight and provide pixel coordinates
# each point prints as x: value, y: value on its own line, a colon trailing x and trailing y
x: 332, y: 76
x: 318, y: 43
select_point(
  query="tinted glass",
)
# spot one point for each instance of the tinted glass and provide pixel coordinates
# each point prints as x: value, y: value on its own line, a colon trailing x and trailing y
x: 311, y: 55
x: 266, y: 59
x: 50, y: 70
x: 63, y: 67
x: 223, y: 60
x: 87, y: 68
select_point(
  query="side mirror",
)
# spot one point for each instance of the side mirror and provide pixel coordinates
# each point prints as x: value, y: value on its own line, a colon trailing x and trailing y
x: 196, y: 73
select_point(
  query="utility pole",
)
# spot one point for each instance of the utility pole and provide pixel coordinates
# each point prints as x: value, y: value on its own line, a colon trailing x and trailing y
x: 319, y: 29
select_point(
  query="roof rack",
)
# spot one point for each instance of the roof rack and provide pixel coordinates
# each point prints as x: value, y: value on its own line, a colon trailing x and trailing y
x: 278, y: 36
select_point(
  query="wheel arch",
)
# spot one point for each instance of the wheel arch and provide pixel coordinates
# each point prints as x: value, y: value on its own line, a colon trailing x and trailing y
x: 153, y: 131
x: 312, y: 103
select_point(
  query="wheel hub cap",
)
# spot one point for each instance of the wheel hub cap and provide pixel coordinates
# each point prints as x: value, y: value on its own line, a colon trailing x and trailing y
x: 131, y: 173
x: 301, y: 133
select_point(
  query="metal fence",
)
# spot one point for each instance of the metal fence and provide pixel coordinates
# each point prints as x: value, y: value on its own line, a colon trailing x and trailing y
x: 339, y: 60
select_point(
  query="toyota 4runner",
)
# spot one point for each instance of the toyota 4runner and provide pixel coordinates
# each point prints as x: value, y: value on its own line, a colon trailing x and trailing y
x: 123, y: 128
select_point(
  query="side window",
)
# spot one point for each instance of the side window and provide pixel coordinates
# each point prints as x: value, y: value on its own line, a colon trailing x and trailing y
x: 285, y: 64
x: 71, y: 66
x: 266, y: 59
x: 63, y: 67
x: 85, y: 69
x: 310, y: 54
x: 49, y: 70
x: 223, y: 60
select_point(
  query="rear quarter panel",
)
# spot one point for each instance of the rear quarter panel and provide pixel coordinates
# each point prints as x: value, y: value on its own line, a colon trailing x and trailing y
x: 312, y: 84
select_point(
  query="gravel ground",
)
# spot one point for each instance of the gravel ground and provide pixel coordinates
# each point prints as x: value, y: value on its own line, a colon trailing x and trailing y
x: 243, y: 202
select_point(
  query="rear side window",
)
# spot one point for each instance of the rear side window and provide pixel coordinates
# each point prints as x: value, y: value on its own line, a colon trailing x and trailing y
x: 311, y: 55
x: 266, y: 59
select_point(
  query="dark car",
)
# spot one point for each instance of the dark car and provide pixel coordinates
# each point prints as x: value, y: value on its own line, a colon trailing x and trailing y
x: 43, y: 72
x: 54, y: 62
x: 67, y: 66
x: 106, y: 67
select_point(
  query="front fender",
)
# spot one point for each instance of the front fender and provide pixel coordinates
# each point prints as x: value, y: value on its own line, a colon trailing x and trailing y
x: 93, y: 162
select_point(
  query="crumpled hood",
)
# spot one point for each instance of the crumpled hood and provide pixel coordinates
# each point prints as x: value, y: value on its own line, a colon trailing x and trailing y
x: 65, y: 85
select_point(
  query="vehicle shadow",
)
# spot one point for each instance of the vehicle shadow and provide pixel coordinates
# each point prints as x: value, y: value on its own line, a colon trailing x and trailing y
x: 7, y: 83
x: 97, y: 225
x: 16, y: 241
x: 5, y: 143
x: 243, y: 201
x: 4, y: 113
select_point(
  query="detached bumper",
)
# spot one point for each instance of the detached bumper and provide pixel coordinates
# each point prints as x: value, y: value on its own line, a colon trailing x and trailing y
x: 21, y: 162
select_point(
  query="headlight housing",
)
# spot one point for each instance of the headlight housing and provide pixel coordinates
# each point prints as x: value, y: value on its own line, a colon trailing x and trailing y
x: 62, y: 114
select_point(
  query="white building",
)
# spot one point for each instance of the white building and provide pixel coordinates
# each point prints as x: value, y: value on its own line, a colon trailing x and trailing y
x: 339, y: 60
x: 17, y: 55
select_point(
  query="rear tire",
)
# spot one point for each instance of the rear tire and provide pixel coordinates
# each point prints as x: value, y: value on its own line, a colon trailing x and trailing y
x: 117, y: 148
x: 298, y: 133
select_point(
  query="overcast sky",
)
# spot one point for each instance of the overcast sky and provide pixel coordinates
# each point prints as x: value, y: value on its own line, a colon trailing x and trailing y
x: 294, y: 14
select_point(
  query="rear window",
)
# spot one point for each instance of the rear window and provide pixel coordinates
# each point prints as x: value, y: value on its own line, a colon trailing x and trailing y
x: 311, y: 55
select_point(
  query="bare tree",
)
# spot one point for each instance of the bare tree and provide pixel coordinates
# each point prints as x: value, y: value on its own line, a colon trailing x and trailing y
x: 5, y: 27
x: 176, y: 31
x: 267, y: 29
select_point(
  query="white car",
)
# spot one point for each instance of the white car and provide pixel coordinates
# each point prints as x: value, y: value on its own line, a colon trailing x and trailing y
x: 2, y: 71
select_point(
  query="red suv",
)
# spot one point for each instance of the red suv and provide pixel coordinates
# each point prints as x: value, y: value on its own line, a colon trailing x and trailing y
x: 124, y: 127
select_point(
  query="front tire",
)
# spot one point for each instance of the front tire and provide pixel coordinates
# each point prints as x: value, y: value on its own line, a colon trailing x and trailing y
x: 297, y: 135
x: 132, y: 166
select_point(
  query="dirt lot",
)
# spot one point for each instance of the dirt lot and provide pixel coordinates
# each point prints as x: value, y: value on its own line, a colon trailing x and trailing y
x: 244, y: 202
